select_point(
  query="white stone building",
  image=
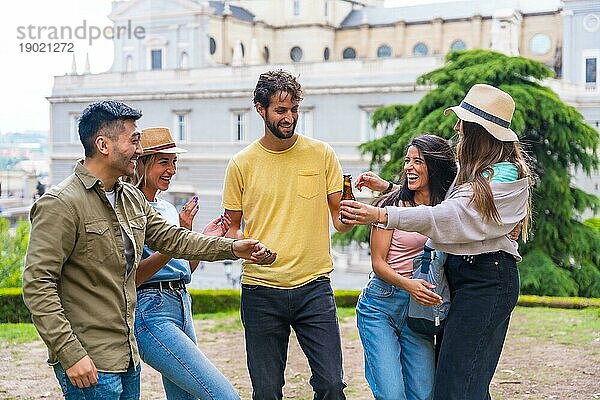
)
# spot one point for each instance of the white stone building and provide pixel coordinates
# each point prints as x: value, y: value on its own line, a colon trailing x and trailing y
x: 198, y: 63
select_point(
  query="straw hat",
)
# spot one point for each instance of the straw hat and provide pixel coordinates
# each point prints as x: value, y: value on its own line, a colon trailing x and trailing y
x: 159, y: 140
x: 489, y: 107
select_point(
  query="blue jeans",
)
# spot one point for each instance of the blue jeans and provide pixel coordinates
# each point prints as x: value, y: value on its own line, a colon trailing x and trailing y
x: 110, y: 386
x: 399, y: 363
x: 268, y: 314
x: 484, y: 291
x: 164, y: 330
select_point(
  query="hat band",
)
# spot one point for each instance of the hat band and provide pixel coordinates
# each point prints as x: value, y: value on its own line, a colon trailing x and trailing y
x: 160, y: 147
x: 487, y: 116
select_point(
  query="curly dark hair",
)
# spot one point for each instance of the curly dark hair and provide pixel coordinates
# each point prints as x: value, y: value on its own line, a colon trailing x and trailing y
x: 272, y: 82
x: 441, y: 168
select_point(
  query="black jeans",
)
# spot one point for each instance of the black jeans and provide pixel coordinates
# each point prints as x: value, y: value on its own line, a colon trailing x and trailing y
x: 484, y: 292
x: 268, y: 314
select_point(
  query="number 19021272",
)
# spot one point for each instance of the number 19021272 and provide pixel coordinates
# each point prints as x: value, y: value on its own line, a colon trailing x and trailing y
x: 47, y: 47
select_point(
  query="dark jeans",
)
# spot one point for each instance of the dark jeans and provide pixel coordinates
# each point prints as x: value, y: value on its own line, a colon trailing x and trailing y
x: 268, y: 314
x: 484, y: 292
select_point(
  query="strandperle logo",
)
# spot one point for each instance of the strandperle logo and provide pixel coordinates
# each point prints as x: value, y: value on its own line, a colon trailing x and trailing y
x: 82, y: 32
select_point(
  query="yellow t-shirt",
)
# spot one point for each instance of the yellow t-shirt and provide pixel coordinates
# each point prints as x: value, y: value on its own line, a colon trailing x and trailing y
x: 283, y: 198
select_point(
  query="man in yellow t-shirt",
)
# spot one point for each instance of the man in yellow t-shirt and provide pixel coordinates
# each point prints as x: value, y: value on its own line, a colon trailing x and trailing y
x: 285, y: 186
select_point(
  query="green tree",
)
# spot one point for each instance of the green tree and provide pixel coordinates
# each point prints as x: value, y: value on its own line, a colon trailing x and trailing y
x: 563, y: 254
x: 12, y: 252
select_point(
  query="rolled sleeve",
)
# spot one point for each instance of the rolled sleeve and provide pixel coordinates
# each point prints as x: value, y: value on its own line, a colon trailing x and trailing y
x: 179, y: 242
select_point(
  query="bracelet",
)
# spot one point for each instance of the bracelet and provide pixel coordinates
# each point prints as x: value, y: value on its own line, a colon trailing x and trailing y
x: 389, y: 188
x: 378, y: 215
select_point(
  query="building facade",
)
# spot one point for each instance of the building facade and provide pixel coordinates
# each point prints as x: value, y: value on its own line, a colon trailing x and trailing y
x: 198, y: 63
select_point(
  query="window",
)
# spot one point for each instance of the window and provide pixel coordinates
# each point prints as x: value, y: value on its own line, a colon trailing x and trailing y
x: 458, y: 45
x: 305, y: 123
x: 384, y: 51
x: 74, y: 127
x: 326, y: 54
x: 367, y: 131
x: 296, y: 7
x: 591, y: 70
x: 156, y: 59
x: 239, y: 125
x: 129, y: 63
x: 183, y: 60
x: 420, y: 50
x: 540, y: 44
x: 266, y: 54
x: 182, y: 128
x: 296, y: 54
x: 243, y: 49
x: 326, y: 2
x: 212, y: 45
x: 349, y: 53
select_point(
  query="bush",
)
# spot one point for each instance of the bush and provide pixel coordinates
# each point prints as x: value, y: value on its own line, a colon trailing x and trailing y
x: 346, y: 298
x: 541, y: 276
x: 211, y: 301
x: 12, y: 308
x: 12, y: 252
x: 587, y: 277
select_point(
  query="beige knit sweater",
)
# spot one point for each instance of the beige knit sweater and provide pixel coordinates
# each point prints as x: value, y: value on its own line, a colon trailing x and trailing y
x: 456, y: 227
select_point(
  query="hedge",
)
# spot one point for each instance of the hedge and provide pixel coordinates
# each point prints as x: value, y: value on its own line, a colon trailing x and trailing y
x: 12, y: 308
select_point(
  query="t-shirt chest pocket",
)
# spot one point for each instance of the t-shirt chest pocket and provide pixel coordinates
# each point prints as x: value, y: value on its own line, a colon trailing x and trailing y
x: 308, y: 183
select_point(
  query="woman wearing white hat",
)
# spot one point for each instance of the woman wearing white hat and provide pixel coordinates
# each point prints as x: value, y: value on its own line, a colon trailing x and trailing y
x: 491, y: 196
x: 164, y: 327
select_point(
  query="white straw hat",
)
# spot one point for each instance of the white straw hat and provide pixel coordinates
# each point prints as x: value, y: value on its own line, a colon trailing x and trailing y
x: 159, y: 140
x: 489, y: 107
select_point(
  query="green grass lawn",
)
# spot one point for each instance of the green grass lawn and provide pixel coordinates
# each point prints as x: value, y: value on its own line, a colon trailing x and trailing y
x: 568, y: 327
x: 14, y: 334
x: 562, y: 326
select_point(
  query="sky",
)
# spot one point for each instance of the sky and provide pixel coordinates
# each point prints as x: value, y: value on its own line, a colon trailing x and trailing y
x: 26, y: 78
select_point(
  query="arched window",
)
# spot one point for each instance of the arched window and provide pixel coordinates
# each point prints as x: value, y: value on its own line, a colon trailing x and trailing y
x: 266, y: 54
x: 349, y: 53
x: 212, y: 45
x: 326, y: 54
x: 243, y: 49
x: 128, y: 63
x: 384, y: 51
x: 420, y: 50
x: 458, y: 45
x: 184, y: 60
x: 296, y: 54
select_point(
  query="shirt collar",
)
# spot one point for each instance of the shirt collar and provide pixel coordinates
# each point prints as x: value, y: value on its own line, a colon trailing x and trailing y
x: 89, y: 180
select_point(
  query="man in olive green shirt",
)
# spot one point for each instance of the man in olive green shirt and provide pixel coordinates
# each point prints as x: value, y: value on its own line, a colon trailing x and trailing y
x: 87, y: 236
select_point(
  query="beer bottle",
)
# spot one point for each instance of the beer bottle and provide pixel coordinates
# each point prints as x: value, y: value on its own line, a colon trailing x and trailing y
x: 347, y: 191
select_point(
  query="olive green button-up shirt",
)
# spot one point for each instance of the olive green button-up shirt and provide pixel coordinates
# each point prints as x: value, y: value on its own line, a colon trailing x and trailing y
x: 75, y: 281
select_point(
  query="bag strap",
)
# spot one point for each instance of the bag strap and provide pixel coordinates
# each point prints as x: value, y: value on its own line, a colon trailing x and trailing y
x: 426, y: 260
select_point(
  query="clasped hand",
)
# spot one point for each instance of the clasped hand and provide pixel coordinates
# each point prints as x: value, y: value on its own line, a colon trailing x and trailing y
x: 253, y: 250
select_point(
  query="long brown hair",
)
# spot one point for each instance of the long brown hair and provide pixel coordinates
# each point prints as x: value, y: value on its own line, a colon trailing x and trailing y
x: 141, y: 168
x: 441, y: 170
x: 477, y: 150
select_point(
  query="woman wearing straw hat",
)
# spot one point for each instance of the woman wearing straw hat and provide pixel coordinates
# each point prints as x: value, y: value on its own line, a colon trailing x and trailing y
x: 491, y: 196
x: 164, y: 327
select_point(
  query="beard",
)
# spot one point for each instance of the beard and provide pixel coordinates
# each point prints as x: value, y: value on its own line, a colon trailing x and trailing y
x: 277, y: 132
